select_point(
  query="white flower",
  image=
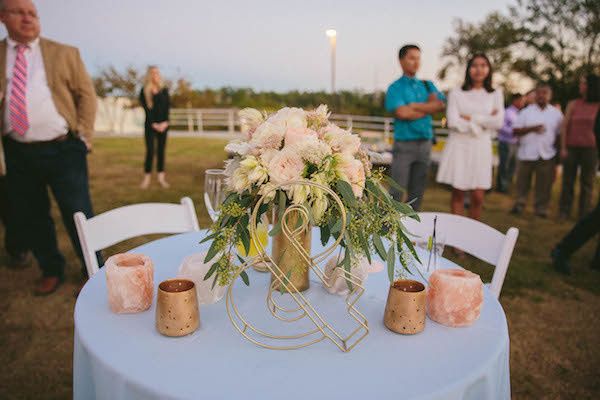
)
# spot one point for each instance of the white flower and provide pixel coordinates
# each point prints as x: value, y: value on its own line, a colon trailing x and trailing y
x: 311, y: 149
x: 341, y: 141
x: 238, y: 147
x: 268, y: 136
x: 289, y: 117
x: 250, y: 119
x: 267, y: 190
x: 256, y: 172
x: 286, y: 167
x: 319, y: 117
x: 319, y: 207
x: 299, y: 193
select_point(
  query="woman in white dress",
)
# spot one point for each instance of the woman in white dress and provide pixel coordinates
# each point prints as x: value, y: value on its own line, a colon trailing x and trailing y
x: 475, y: 113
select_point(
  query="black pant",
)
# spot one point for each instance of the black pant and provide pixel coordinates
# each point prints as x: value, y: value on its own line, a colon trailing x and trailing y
x: 161, y: 139
x: 32, y: 168
x: 585, y: 229
x: 14, y: 242
x: 584, y: 159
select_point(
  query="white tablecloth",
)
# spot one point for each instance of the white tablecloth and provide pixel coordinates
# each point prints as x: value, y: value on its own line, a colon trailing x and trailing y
x: 124, y: 357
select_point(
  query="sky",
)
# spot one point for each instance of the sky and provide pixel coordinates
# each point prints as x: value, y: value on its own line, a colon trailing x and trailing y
x: 266, y: 45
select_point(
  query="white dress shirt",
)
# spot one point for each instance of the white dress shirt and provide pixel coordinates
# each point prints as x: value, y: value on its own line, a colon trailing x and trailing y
x: 533, y: 145
x: 45, y: 123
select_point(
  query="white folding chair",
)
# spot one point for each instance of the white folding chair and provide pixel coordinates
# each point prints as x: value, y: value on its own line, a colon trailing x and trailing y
x: 474, y: 237
x: 126, y: 222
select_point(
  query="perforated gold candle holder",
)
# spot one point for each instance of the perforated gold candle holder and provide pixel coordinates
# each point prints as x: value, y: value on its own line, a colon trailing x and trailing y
x: 302, y: 309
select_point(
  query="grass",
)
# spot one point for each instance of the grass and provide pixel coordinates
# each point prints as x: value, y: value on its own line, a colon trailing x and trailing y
x: 553, y: 320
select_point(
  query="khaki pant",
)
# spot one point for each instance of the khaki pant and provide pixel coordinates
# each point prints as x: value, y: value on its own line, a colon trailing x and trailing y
x: 543, y: 170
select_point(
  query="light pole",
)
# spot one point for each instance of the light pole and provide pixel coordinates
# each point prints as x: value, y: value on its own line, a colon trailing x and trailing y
x: 332, y: 35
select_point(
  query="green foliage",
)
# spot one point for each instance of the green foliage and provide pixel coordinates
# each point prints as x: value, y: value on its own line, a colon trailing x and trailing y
x: 555, y: 41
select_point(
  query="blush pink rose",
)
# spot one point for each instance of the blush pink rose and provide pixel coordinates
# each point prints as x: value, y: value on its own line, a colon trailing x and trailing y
x: 286, y: 167
x: 296, y: 135
x: 354, y: 171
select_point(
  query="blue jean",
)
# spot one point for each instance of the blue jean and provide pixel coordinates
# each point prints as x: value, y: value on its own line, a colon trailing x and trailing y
x: 31, y: 170
x: 507, y: 153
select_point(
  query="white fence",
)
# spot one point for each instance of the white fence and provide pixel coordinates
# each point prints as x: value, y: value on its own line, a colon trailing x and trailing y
x: 116, y: 117
x: 206, y: 119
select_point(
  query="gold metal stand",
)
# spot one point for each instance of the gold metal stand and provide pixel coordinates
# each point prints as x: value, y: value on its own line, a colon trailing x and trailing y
x: 303, y: 309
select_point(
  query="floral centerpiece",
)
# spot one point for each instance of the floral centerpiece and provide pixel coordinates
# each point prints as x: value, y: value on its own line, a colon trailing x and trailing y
x: 291, y: 146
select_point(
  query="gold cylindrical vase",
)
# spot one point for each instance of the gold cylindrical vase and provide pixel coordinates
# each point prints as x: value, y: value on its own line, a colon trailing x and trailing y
x: 177, y: 311
x: 292, y: 263
x: 405, y: 307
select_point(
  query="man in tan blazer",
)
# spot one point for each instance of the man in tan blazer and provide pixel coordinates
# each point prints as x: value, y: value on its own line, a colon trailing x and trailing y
x: 47, y: 115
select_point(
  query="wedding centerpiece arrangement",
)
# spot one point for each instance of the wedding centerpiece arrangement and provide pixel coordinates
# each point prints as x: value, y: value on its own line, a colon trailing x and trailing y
x: 291, y: 158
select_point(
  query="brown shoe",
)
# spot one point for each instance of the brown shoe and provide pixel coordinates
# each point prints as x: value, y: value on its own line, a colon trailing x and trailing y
x: 47, y: 285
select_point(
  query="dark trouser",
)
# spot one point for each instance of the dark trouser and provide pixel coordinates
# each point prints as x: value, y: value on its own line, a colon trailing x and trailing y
x: 507, y: 153
x: 161, y: 141
x: 586, y: 159
x: 585, y: 229
x: 32, y: 168
x: 14, y: 242
x: 543, y: 170
x: 409, y: 169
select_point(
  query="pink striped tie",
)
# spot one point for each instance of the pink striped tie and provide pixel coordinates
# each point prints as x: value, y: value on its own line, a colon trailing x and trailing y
x: 18, y: 98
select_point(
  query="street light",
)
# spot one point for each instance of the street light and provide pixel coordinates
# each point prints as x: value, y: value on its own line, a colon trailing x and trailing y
x: 332, y: 35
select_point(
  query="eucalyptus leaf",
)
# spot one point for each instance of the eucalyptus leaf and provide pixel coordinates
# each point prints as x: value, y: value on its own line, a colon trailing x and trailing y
x: 211, y: 271
x: 209, y: 237
x: 245, y: 278
x: 346, y: 191
x: 394, y: 184
x: 325, y: 234
x: 365, y: 246
x: 391, y: 263
x: 379, y: 247
x: 348, y: 267
x: 212, y: 251
x: 276, y: 229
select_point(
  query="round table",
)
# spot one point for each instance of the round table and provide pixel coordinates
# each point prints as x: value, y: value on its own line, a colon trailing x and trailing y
x: 122, y: 356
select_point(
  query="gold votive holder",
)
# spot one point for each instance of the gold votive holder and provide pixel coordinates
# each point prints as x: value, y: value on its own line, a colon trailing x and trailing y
x: 405, y: 308
x: 177, y: 311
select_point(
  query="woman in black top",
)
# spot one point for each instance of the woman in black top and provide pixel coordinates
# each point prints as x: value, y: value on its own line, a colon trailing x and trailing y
x: 588, y: 226
x: 154, y: 97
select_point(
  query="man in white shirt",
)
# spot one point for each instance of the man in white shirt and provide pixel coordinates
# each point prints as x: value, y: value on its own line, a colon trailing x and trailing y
x: 537, y: 127
x: 47, y: 117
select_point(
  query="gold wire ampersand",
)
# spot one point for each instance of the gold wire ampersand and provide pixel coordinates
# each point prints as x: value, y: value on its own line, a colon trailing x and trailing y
x: 304, y: 309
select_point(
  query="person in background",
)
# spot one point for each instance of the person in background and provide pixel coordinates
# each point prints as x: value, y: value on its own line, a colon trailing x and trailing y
x: 154, y: 98
x: 507, y: 144
x: 530, y: 97
x: 412, y: 101
x: 475, y: 113
x: 14, y: 242
x: 537, y: 127
x: 589, y: 225
x: 578, y: 149
x: 48, y: 116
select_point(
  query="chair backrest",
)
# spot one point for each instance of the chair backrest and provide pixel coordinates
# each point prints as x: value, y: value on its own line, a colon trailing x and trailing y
x: 127, y: 222
x: 471, y: 236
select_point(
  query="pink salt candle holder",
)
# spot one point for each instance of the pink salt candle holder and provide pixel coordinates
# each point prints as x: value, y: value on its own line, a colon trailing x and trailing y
x: 454, y: 297
x: 130, y: 282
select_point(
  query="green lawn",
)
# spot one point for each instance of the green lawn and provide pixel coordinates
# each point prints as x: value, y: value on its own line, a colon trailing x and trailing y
x: 553, y: 320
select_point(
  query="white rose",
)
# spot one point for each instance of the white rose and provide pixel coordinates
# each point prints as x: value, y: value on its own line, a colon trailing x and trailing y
x: 250, y: 119
x: 290, y: 118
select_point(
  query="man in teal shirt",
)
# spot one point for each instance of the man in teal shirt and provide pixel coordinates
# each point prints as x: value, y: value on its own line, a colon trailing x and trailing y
x: 412, y: 102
